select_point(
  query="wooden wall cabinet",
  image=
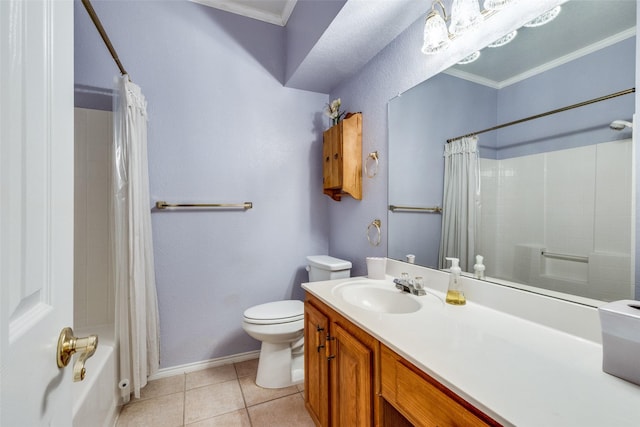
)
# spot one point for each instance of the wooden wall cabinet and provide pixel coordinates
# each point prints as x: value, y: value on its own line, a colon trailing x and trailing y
x: 353, y: 380
x: 342, y: 158
x: 339, y: 369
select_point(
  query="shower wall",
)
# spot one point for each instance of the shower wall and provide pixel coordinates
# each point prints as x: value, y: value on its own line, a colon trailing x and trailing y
x: 573, y: 202
x: 94, y: 292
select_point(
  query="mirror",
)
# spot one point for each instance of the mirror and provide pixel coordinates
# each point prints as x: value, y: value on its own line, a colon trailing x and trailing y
x: 556, y: 192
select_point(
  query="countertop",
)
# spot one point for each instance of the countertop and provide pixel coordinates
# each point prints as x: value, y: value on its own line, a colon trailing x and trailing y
x: 518, y: 371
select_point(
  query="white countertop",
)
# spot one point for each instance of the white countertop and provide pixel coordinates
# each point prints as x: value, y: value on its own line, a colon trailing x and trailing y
x: 518, y: 371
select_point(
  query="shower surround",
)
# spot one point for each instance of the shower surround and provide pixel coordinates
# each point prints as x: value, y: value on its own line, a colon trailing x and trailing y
x: 572, y: 202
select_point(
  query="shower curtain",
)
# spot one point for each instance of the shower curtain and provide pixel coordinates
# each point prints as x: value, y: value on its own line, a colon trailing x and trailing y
x: 136, y: 300
x: 461, y: 202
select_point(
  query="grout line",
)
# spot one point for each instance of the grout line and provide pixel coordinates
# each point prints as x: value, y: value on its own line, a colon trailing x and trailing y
x: 184, y: 399
x: 246, y: 406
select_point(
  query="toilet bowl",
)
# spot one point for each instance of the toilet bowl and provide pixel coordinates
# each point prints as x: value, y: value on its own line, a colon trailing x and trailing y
x: 280, y: 327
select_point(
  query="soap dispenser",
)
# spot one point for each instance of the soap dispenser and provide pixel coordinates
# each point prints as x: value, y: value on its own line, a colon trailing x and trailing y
x: 455, y: 295
x: 478, y: 268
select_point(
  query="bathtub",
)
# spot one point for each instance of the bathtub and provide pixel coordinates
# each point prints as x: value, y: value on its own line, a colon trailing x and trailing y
x: 95, y: 399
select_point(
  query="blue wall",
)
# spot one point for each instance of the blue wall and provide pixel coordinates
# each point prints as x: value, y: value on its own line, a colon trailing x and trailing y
x: 222, y: 128
x: 420, y: 121
x: 603, y: 72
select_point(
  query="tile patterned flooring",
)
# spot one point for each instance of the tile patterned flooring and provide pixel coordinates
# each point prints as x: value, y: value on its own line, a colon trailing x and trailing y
x: 222, y: 396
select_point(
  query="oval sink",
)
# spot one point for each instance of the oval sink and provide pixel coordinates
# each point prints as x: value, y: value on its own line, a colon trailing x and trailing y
x: 378, y: 296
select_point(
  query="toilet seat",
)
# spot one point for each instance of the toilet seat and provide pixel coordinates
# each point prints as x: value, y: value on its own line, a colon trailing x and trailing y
x: 275, y: 312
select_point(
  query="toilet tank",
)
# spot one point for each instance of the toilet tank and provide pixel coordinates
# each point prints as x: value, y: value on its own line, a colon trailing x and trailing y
x: 324, y: 267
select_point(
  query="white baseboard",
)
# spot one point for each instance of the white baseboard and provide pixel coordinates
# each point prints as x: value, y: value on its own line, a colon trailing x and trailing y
x: 205, y: 364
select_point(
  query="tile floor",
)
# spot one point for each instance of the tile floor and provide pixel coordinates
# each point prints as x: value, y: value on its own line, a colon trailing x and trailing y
x: 222, y: 396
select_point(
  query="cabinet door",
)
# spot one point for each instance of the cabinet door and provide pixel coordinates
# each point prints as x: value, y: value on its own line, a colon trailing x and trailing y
x: 351, y: 381
x: 316, y: 378
x: 332, y: 157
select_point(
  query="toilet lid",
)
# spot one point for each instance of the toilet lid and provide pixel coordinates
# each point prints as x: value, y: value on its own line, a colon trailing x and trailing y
x: 275, y: 312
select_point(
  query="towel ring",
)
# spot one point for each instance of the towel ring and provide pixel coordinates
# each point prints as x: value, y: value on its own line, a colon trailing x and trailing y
x: 373, y: 155
x: 375, y: 223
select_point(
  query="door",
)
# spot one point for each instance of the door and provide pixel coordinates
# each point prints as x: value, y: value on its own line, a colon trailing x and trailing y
x: 332, y: 157
x: 36, y: 209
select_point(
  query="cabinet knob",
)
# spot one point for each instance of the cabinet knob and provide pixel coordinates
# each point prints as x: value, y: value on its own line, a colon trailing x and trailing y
x: 335, y: 156
x: 327, y: 159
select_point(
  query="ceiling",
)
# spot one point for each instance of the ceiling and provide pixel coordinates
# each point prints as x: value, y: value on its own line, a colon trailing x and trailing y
x: 363, y: 28
x: 272, y: 11
x: 581, y: 28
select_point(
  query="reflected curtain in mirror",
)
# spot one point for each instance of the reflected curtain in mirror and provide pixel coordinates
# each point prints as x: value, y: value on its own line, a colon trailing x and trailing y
x: 461, y: 202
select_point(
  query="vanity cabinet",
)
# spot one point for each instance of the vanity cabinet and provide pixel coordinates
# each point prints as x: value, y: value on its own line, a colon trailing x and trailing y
x: 339, y: 369
x: 353, y: 380
x: 422, y: 400
x: 342, y: 158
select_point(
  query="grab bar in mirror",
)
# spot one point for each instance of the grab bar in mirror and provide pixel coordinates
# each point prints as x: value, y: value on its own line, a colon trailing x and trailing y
x: 165, y: 205
x: 434, y: 209
x: 565, y: 257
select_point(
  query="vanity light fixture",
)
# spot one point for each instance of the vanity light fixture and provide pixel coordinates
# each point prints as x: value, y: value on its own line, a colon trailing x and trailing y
x: 465, y: 15
x: 469, y: 59
x: 545, y: 18
x: 504, y: 40
x: 436, y: 37
x: 496, y: 4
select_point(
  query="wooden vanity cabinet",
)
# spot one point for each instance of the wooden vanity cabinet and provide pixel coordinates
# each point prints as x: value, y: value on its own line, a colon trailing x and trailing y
x: 353, y: 380
x: 422, y: 400
x: 342, y: 158
x: 340, y: 361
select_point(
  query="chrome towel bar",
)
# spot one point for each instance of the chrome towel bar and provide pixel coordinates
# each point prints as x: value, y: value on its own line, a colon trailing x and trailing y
x: 434, y: 209
x: 565, y: 257
x: 165, y: 205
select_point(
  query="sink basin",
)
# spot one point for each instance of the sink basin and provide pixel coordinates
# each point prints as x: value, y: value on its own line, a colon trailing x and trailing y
x: 379, y: 296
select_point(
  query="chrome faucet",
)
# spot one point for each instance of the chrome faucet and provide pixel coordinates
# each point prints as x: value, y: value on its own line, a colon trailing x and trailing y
x: 412, y: 286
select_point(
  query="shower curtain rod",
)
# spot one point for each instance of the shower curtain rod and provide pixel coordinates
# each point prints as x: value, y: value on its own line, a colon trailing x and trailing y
x: 103, y: 34
x: 548, y: 113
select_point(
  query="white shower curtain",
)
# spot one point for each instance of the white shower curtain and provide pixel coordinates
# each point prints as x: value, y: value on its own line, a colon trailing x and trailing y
x: 136, y: 300
x: 461, y: 202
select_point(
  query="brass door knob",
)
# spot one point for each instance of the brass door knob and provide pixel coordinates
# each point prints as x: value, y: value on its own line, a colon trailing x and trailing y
x: 68, y: 345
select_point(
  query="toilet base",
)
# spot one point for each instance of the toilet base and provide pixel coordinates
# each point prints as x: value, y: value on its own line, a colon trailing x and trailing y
x: 277, y: 368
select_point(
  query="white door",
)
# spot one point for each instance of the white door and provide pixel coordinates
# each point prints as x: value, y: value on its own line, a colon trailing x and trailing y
x: 36, y: 209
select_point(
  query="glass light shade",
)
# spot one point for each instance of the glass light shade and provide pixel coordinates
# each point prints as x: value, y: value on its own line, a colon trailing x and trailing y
x: 436, y: 37
x: 469, y: 59
x: 465, y: 14
x: 496, y: 4
x: 504, y: 40
x: 545, y: 18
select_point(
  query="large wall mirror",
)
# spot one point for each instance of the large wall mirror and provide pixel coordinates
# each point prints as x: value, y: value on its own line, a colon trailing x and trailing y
x: 556, y: 193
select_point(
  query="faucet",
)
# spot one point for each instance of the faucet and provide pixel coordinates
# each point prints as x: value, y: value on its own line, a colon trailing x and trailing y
x: 411, y: 286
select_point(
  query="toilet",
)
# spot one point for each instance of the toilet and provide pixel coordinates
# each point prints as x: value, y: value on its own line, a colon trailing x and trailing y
x: 280, y: 327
